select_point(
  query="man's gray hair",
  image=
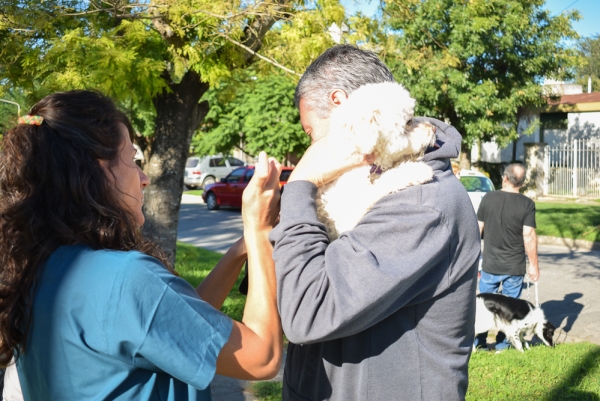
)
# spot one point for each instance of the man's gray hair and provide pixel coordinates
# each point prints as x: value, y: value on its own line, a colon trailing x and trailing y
x: 342, y: 67
x: 515, y: 173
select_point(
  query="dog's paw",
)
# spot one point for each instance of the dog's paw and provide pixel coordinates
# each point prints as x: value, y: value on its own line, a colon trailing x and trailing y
x: 421, y: 173
x: 343, y: 202
x: 403, y: 176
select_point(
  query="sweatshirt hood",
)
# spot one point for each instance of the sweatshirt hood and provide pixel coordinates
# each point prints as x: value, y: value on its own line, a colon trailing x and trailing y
x: 446, y: 147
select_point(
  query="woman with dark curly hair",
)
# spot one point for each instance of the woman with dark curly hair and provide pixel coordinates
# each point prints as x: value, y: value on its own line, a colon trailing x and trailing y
x: 89, y: 309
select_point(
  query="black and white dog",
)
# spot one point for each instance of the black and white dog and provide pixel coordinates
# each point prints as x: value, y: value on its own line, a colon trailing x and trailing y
x: 514, y: 317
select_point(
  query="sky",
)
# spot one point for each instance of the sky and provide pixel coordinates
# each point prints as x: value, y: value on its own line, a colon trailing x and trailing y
x: 587, y: 26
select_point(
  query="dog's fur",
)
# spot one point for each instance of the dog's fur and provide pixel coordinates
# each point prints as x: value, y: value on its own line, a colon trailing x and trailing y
x: 376, y: 118
x: 514, y: 317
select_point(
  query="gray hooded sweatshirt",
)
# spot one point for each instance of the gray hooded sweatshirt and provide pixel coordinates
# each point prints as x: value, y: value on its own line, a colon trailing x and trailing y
x: 386, y: 311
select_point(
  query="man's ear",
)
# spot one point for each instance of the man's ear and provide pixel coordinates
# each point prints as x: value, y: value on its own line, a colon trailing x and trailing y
x: 338, y: 96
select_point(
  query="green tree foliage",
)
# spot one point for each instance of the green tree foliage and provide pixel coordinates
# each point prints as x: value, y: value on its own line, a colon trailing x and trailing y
x: 589, y: 49
x: 259, y: 115
x: 155, y: 58
x: 479, y: 63
x: 56, y: 46
x: 254, y: 110
x: 9, y: 112
x: 299, y: 41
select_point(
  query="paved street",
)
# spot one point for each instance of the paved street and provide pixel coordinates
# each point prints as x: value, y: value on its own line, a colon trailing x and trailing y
x: 216, y: 230
x: 569, y: 287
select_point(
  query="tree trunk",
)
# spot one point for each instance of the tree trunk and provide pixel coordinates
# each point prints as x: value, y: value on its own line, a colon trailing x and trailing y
x: 465, y: 157
x: 178, y: 115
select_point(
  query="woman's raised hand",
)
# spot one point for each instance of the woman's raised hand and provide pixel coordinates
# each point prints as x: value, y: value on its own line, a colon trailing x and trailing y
x: 255, y: 346
x: 260, y: 202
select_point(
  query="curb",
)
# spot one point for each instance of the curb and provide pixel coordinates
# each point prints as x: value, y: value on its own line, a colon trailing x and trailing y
x: 187, y: 199
x: 573, y: 244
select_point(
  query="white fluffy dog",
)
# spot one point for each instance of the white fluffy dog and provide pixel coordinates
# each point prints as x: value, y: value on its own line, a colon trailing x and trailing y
x: 376, y: 118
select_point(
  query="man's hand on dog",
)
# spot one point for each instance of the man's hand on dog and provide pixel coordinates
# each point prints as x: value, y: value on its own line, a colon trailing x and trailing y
x: 323, y: 163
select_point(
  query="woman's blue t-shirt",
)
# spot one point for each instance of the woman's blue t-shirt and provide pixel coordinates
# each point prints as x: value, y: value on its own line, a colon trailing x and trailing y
x: 114, y: 325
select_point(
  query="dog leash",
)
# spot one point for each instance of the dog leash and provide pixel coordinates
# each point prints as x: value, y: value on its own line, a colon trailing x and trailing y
x: 535, y: 285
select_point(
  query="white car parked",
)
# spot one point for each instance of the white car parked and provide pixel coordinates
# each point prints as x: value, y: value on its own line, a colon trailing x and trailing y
x: 201, y: 171
x: 476, y: 184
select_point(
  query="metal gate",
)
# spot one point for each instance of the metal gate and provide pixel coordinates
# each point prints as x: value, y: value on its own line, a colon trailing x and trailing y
x: 573, y: 169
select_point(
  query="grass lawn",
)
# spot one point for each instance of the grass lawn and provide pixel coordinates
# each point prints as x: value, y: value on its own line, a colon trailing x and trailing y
x: 267, y: 391
x: 564, y: 373
x: 194, y: 264
x: 567, y: 372
x: 568, y: 220
x: 197, y: 192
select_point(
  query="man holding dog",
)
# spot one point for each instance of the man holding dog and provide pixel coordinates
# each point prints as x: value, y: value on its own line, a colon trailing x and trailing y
x: 508, y: 220
x: 386, y: 311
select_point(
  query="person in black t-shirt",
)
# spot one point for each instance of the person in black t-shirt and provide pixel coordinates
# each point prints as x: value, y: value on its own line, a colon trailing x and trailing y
x: 508, y: 220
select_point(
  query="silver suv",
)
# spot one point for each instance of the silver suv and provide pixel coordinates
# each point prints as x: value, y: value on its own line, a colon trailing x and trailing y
x: 201, y: 171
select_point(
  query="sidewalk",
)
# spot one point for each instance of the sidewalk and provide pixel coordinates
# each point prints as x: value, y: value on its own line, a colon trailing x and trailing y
x: 568, y: 292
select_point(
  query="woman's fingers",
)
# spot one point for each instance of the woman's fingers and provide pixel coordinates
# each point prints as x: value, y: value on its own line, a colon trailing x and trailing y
x: 275, y: 171
x: 261, y: 171
x: 266, y: 171
x: 260, y: 201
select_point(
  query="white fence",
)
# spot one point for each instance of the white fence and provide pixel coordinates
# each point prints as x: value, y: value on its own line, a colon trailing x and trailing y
x: 573, y: 169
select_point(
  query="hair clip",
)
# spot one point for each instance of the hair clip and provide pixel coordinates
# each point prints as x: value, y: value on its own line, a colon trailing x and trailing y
x: 31, y: 120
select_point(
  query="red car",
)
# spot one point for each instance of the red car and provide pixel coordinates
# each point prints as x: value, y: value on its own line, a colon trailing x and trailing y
x: 228, y: 192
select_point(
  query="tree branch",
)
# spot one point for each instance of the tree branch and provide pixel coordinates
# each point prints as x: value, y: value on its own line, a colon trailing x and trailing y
x: 117, y: 11
x: 228, y: 17
x: 409, y: 11
x: 257, y: 28
x: 268, y: 60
